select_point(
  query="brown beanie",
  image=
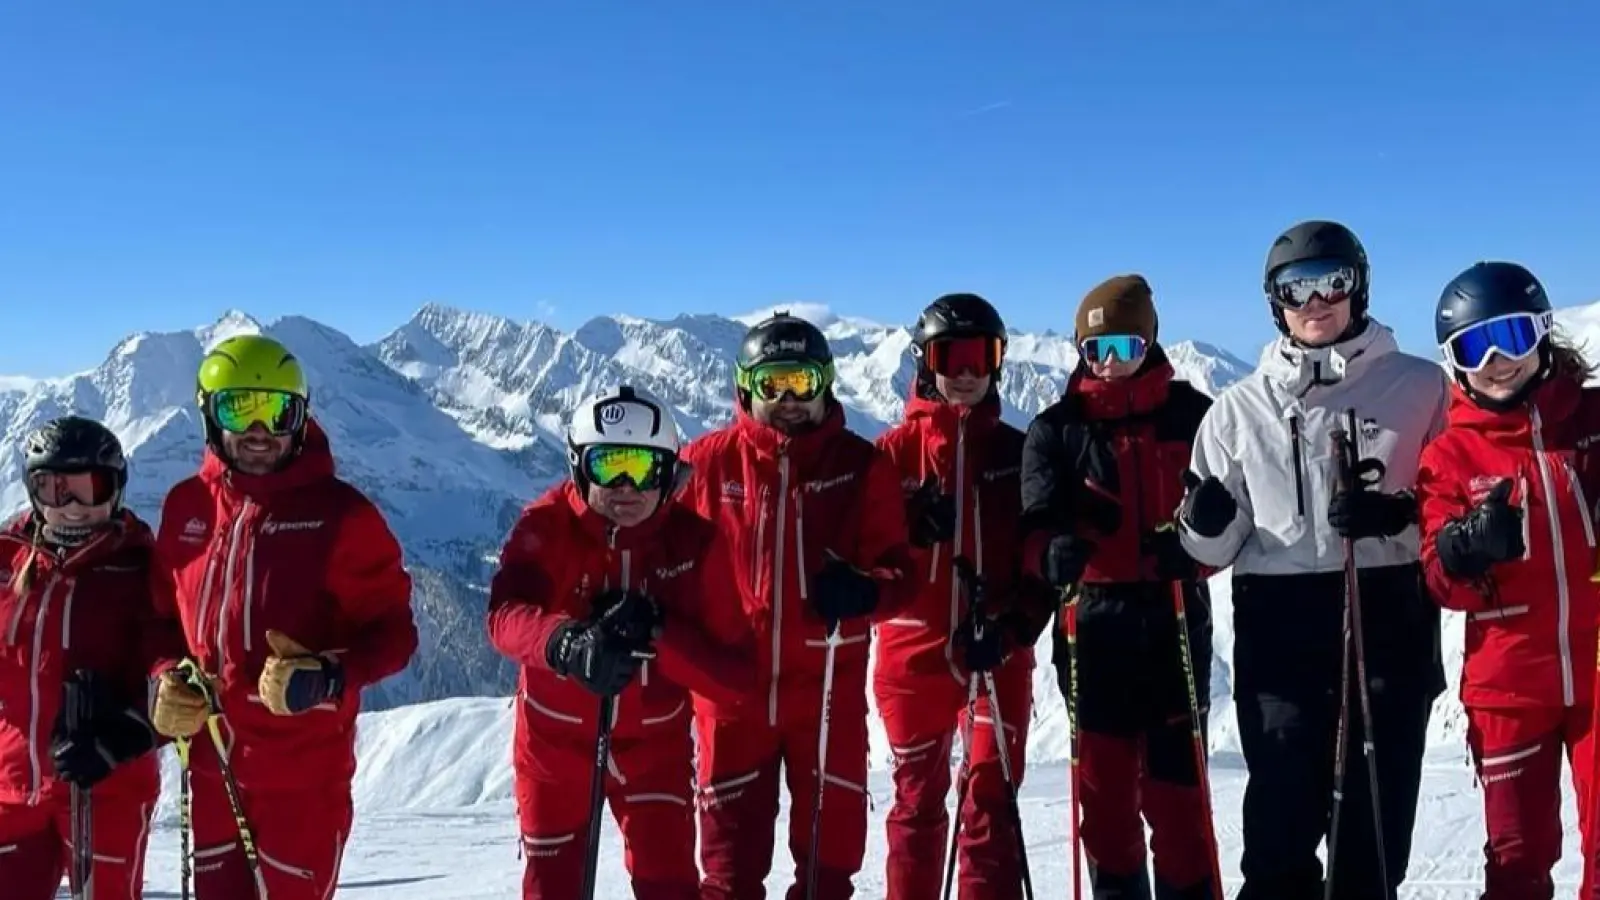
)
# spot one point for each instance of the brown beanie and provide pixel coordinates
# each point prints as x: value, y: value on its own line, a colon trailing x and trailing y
x: 1120, y: 305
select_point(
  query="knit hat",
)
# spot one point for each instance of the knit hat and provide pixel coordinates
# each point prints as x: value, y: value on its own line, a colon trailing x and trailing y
x: 1120, y: 305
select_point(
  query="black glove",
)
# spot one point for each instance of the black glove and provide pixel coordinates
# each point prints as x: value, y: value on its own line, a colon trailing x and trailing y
x: 1359, y: 511
x: 1490, y: 533
x: 1208, y: 507
x: 629, y: 616
x: 96, y: 732
x: 931, y: 515
x: 842, y: 591
x: 601, y: 660
x: 983, y: 649
x: 1173, y: 563
x: 1065, y: 558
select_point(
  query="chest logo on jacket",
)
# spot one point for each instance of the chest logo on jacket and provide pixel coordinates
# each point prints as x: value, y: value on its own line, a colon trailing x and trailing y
x: 994, y: 475
x: 274, y: 526
x: 820, y: 485
x: 733, y: 492
x: 194, y: 531
x: 663, y: 574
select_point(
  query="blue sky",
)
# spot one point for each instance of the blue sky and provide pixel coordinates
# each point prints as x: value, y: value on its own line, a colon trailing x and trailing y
x: 162, y: 162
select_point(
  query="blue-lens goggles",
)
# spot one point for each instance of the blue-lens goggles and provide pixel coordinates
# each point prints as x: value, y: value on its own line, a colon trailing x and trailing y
x: 1105, y: 348
x: 1513, y: 337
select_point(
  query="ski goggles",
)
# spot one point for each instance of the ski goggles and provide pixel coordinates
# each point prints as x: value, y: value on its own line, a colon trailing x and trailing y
x: 1513, y: 337
x: 1294, y: 286
x: 802, y: 380
x: 90, y: 487
x: 977, y: 354
x: 608, y: 465
x: 1107, y: 348
x: 237, y: 410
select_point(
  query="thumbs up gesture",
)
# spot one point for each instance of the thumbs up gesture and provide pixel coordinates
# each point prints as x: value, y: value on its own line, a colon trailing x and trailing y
x: 294, y: 679
x: 1490, y: 533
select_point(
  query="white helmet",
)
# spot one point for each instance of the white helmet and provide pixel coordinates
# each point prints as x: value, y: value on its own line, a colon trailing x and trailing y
x: 626, y: 416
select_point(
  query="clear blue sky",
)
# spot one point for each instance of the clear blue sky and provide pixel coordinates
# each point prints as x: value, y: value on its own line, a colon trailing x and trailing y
x: 163, y: 161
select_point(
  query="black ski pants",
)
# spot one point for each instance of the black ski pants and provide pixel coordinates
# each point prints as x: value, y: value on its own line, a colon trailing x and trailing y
x: 1288, y: 643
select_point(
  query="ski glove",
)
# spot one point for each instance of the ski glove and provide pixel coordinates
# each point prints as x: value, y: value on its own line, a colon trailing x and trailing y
x: 842, y: 591
x: 1208, y: 506
x: 294, y: 679
x: 1358, y: 511
x: 629, y: 616
x: 931, y: 514
x: 1173, y: 563
x: 982, y: 653
x: 180, y: 710
x: 1065, y: 558
x: 597, y: 658
x: 1490, y: 533
x: 96, y: 732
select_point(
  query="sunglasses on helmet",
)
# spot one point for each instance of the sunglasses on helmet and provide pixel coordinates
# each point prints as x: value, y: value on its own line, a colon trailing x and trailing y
x: 802, y: 380
x: 89, y: 487
x: 1297, y: 284
x: 1514, y: 337
x: 237, y: 410
x: 1107, y: 348
x: 608, y: 465
x: 977, y: 354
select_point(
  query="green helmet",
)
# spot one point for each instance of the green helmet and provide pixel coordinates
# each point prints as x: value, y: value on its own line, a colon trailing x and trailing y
x: 251, y: 361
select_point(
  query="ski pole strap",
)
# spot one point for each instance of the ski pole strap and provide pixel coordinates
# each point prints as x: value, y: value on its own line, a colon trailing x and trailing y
x: 196, y: 678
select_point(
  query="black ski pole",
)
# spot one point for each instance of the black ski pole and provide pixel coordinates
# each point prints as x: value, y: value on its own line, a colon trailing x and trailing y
x: 1347, y: 460
x: 597, y: 795
x: 76, y: 709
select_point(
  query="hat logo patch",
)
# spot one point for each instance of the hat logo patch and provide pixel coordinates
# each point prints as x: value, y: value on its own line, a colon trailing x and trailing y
x: 1097, y: 317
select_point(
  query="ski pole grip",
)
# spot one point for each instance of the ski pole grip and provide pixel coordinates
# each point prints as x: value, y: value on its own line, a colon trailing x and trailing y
x: 195, y: 677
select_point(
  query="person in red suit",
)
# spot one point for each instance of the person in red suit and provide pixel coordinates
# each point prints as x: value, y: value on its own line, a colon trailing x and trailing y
x: 77, y: 627
x: 960, y: 466
x: 1508, y: 538
x: 610, y: 592
x: 813, y: 518
x: 293, y: 597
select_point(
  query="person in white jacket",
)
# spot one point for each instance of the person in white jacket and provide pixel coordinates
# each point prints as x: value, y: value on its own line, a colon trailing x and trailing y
x: 1263, y: 499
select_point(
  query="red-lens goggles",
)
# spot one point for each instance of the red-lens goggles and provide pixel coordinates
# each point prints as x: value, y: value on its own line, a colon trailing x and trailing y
x: 91, y: 487
x: 952, y: 356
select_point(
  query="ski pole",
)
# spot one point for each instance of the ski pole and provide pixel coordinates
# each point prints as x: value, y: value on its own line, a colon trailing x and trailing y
x: 597, y: 795
x: 1197, y: 733
x: 833, y: 641
x: 961, y: 784
x: 230, y: 785
x: 1069, y: 610
x: 76, y: 707
x: 185, y: 817
x: 1346, y: 460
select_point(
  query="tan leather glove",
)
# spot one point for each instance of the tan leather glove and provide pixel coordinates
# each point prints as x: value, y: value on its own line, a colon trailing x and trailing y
x: 294, y: 679
x: 180, y: 710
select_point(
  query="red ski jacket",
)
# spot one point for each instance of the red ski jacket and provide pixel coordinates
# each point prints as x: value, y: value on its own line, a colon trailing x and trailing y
x: 1126, y: 441
x: 302, y: 552
x: 977, y: 458
x: 1531, y: 623
x: 561, y: 554
x: 87, y: 609
x: 782, y: 505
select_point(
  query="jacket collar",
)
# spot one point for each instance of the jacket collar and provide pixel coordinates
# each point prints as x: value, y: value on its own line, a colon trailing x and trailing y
x: 769, y: 442
x: 605, y: 532
x: 125, y: 531
x: 1299, y: 370
x: 1139, y: 394
x: 313, y: 464
x: 1556, y: 399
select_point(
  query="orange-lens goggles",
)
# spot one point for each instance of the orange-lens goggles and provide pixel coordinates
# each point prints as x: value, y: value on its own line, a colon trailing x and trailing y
x: 802, y: 380
x: 91, y: 487
x: 952, y: 356
x: 236, y: 410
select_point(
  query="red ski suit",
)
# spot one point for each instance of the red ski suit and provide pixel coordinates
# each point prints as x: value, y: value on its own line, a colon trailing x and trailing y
x: 559, y: 556
x: 920, y: 682
x: 1528, y: 676
x: 87, y: 609
x: 782, y: 505
x: 305, y: 553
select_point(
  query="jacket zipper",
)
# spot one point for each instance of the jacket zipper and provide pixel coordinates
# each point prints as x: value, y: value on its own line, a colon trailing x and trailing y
x: 35, y: 768
x: 627, y: 584
x: 1134, y: 441
x: 1563, y: 613
x: 234, y: 535
x: 777, y: 588
x: 957, y: 544
x: 1299, y: 471
x: 1583, y: 505
x: 761, y: 539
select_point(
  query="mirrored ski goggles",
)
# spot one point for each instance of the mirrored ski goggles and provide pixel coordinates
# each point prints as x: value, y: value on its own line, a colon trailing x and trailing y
x: 90, y: 487
x: 609, y: 464
x: 977, y: 354
x: 236, y: 410
x: 802, y: 380
x: 1107, y: 348
x: 1513, y: 337
x: 1329, y: 280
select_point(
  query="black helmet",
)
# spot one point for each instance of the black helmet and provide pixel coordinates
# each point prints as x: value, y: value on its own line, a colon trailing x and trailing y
x: 1488, y: 290
x: 1319, y: 239
x: 74, y: 444
x: 957, y: 315
x: 784, y: 338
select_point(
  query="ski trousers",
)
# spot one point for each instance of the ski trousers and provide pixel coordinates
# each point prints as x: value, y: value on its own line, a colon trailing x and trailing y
x: 1288, y: 640
x: 739, y: 763
x: 649, y: 787
x: 922, y: 715
x: 1136, y: 752
x: 36, y: 848
x: 1518, y: 756
x: 300, y: 837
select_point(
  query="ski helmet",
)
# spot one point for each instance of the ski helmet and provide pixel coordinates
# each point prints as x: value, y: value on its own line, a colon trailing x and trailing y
x: 1320, y: 240
x: 1494, y: 308
x: 624, y: 417
x: 1488, y: 290
x: 778, y: 339
x: 253, y: 362
x: 74, y: 444
x: 957, y: 315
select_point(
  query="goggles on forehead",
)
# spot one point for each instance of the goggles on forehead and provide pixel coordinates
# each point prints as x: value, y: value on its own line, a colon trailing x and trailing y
x: 978, y: 354
x: 1329, y: 280
x: 236, y: 410
x: 1106, y: 348
x: 803, y: 380
x: 90, y: 487
x: 607, y: 465
x: 1514, y: 337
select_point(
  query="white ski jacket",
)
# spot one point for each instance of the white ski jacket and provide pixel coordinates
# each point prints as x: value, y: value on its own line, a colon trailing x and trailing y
x: 1268, y: 438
